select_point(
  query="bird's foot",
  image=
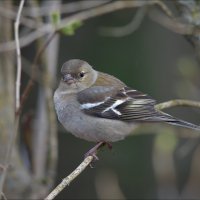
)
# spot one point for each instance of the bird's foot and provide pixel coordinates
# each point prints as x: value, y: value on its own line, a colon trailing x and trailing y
x: 93, y: 151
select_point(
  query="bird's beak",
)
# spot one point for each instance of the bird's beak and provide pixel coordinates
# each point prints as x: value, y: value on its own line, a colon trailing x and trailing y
x: 68, y: 79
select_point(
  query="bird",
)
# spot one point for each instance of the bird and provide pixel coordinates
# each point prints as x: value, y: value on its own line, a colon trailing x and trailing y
x: 98, y: 107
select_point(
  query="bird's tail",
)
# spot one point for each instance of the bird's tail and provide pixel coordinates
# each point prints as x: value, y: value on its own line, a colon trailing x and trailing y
x: 175, y: 121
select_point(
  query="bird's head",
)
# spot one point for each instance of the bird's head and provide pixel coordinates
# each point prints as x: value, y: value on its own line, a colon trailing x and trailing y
x: 77, y: 75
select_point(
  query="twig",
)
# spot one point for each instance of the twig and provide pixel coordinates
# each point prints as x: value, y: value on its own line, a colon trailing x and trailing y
x: 67, y: 180
x: 82, y: 16
x: 19, y: 65
x: 177, y: 102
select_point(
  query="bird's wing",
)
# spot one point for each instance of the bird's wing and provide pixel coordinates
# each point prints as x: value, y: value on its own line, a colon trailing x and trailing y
x: 125, y: 104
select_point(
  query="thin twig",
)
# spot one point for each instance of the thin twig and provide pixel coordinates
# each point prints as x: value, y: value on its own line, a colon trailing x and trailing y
x: 18, y: 51
x: 177, y: 102
x: 67, y: 180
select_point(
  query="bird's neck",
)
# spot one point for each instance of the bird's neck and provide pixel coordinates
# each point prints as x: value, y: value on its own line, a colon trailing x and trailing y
x: 104, y: 79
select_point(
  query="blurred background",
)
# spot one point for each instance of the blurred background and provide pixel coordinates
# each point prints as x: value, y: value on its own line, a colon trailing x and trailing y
x: 157, y: 161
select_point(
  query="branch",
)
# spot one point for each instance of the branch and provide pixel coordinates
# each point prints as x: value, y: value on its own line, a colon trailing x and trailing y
x: 67, y: 180
x: 19, y: 65
x: 177, y: 102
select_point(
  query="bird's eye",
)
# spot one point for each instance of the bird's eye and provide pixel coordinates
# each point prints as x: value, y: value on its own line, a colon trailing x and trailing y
x: 81, y: 74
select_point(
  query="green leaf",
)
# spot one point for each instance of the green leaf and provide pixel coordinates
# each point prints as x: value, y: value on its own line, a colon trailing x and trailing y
x: 70, y: 29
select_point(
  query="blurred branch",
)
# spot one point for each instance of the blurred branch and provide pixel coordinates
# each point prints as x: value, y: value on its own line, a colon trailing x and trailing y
x: 71, y: 7
x: 10, y: 14
x: 67, y: 180
x: 45, y: 131
x: 3, y: 196
x: 82, y: 16
x: 177, y: 102
x: 173, y: 24
x: 127, y: 29
x: 52, y: 54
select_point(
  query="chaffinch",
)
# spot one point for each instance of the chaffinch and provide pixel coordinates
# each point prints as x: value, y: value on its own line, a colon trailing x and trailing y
x: 98, y: 107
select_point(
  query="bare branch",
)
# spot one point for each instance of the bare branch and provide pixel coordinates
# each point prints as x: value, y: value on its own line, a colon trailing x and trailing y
x: 66, y: 181
x: 177, y: 102
x: 19, y: 65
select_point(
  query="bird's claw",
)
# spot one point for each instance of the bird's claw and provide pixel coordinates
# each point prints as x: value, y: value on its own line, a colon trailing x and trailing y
x: 93, y: 151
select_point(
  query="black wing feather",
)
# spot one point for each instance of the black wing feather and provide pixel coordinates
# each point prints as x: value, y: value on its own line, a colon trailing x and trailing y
x: 135, y: 106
